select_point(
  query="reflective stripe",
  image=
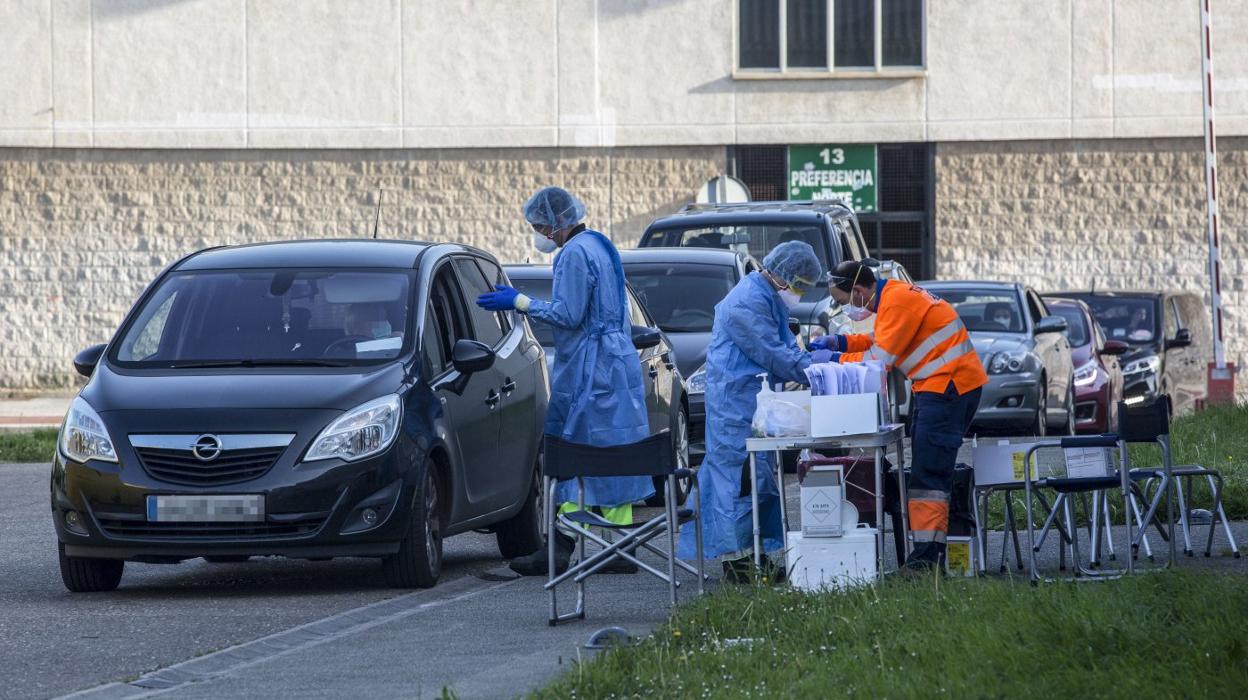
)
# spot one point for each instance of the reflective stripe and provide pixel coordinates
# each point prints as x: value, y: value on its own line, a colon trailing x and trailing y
x: 963, y: 348
x: 915, y: 358
x: 934, y: 495
x: 928, y: 536
x: 878, y: 353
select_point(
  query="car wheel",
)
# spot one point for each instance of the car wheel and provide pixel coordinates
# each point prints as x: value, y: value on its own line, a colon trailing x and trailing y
x: 1040, y: 423
x: 83, y: 575
x: 227, y: 558
x: 680, y: 455
x: 1069, y: 427
x: 521, y: 534
x: 418, y: 562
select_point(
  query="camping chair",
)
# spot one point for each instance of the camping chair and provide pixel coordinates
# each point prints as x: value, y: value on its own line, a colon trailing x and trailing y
x: 650, y: 457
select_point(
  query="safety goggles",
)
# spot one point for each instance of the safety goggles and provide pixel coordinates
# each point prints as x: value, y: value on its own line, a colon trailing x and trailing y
x: 837, y: 280
x: 542, y: 230
x: 798, y: 286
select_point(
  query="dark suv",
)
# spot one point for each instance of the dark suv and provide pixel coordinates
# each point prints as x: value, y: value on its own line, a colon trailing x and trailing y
x: 1170, y: 341
x: 306, y: 399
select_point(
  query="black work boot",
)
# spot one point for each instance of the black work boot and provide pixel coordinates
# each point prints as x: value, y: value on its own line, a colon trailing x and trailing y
x: 537, y: 563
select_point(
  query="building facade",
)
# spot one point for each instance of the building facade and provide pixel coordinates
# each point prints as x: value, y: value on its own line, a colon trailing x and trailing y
x: 1052, y: 141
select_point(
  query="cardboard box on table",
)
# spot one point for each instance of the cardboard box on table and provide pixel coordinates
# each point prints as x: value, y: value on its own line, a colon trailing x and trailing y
x: 847, y: 414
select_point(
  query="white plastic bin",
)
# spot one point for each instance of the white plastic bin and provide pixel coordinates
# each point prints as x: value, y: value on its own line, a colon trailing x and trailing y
x: 819, y: 563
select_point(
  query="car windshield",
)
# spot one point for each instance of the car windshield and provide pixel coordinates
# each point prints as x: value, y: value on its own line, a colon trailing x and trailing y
x: 1076, y: 324
x: 1125, y: 318
x: 757, y: 239
x: 985, y: 310
x: 681, y: 296
x: 537, y: 288
x: 269, y: 317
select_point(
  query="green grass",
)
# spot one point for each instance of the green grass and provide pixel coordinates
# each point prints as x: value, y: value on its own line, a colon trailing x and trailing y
x: 32, y: 446
x: 1172, y: 634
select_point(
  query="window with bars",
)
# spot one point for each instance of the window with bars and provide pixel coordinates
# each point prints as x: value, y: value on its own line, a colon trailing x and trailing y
x: 829, y: 35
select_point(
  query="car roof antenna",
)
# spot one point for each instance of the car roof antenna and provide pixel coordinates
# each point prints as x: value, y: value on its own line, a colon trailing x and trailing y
x: 377, y: 216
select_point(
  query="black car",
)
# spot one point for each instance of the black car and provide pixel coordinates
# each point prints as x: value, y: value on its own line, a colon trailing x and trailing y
x: 755, y: 228
x: 666, y: 401
x: 679, y: 288
x: 306, y: 399
x: 1170, y: 341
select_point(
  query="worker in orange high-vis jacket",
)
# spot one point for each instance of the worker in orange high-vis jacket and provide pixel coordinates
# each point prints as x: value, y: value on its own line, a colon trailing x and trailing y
x: 922, y: 336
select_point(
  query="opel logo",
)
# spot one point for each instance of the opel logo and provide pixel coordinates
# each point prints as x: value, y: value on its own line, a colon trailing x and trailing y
x: 206, y: 448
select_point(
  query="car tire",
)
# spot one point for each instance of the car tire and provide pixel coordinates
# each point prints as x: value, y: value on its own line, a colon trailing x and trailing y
x: 83, y: 575
x: 680, y: 456
x: 418, y: 563
x: 1069, y: 427
x: 1040, y: 423
x: 521, y: 534
x: 227, y: 558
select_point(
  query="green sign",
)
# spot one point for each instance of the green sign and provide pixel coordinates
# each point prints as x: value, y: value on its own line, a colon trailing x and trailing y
x: 834, y: 171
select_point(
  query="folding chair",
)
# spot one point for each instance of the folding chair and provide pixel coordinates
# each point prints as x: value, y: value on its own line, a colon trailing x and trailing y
x: 650, y: 457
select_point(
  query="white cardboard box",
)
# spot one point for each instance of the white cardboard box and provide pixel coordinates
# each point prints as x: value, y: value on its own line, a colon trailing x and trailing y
x: 846, y: 414
x: 822, y: 498
x: 1003, y: 463
x: 819, y: 563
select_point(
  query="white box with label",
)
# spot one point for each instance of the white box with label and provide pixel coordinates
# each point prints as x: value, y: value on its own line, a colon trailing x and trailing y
x: 961, y: 556
x: 819, y: 563
x: 846, y: 414
x: 822, y: 498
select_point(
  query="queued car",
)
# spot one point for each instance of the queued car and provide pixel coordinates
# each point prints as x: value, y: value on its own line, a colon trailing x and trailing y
x: 1025, y: 352
x: 1098, y: 375
x: 666, y: 401
x: 679, y: 288
x: 1170, y: 341
x: 309, y: 399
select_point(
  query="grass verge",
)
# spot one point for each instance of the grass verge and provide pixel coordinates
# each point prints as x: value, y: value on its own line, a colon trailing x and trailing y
x: 32, y: 446
x: 1163, y: 635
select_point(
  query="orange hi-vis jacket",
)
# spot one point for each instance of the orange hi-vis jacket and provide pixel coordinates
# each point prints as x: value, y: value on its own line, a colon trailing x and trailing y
x: 922, y: 336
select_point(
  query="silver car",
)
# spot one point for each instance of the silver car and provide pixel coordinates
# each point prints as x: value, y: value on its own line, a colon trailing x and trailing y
x: 1025, y: 352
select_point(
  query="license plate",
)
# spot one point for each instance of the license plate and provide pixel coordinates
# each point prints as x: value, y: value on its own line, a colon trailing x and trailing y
x: 205, y: 509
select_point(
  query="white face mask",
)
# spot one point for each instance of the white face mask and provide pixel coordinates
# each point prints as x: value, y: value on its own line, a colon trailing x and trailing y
x: 544, y: 244
x: 858, y: 313
x: 790, y: 298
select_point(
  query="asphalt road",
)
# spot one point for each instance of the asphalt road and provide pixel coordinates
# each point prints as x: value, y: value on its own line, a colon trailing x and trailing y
x: 54, y: 642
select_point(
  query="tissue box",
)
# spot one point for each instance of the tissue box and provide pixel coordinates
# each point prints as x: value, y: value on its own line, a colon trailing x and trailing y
x: 846, y: 414
x: 817, y: 563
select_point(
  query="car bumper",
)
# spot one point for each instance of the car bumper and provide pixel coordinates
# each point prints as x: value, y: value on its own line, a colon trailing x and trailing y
x: 1092, y: 406
x: 311, y: 511
x: 1008, y: 400
x: 1139, y: 387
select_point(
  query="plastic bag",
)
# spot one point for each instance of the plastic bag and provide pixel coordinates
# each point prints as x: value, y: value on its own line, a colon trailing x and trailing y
x: 775, y: 417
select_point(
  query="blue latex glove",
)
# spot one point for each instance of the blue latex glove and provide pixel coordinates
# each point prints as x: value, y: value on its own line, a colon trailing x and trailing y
x: 828, y: 342
x: 502, y: 300
x: 819, y: 357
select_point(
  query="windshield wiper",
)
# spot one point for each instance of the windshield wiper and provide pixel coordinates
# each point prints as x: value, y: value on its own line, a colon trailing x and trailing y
x: 257, y: 363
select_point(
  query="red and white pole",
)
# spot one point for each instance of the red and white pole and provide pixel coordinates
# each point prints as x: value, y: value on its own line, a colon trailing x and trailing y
x: 1221, y: 377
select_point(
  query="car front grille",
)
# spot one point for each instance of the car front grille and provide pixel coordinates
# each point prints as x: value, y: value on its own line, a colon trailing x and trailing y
x: 231, y: 467
x: 119, y: 525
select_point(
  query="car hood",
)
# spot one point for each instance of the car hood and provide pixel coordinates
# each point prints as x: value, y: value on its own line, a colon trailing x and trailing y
x: 1136, y: 352
x: 110, y: 390
x: 690, y: 350
x: 988, y: 343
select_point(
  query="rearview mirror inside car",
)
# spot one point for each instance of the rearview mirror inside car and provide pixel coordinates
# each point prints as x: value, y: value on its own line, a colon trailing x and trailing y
x: 1182, y: 338
x: 1114, y: 347
x: 86, y: 360
x: 469, y: 356
x: 645, y: 337
x: 1051, y: 324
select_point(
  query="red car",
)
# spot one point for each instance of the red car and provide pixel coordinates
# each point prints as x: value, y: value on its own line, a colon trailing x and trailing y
x: 1098, y: 377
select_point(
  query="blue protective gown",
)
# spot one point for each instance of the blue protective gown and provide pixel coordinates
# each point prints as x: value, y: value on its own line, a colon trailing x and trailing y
x: 750, y: 336
x: 596, y: 392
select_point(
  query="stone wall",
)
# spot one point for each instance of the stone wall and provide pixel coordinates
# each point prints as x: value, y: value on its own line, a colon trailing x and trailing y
x: 83, y: 231
x: 1127, y: 213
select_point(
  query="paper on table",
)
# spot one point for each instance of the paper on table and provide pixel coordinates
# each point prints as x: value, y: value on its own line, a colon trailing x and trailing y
x: 860, y: 378
x: 831, y: 384
x: 875, y: 376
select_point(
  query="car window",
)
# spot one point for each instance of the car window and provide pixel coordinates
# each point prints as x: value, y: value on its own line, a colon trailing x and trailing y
x: 1077, y: 330
x: 986, y: 310
x: 270, y: 315
x: 537, y: 288
x: 851, y: 241
x: 434, y: 356
x: 636, y: 315
x: 1129, y: 319
x: 451, y: 320
x: 494, y: 276
x: 487, y: 324
x: 681, y: 297
x: 1178, y: 319
x: 1035, y: 307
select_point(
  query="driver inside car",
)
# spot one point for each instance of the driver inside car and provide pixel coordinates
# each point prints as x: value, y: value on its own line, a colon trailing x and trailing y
x: 366, y: 321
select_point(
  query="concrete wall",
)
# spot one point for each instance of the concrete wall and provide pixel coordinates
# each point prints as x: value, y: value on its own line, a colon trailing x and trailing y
x: 82, y: 231
x: 541, y: 73
x: 1125, y: 213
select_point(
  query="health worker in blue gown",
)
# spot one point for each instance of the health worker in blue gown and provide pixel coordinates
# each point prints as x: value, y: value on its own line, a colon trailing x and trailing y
x: 750, y: 337
x: 597, y: 396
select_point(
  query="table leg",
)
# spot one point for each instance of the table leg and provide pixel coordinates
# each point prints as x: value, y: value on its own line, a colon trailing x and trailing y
x: 879, y: 512
x: 758, y: 534
x: 784, y: 513
x: 903, y: 496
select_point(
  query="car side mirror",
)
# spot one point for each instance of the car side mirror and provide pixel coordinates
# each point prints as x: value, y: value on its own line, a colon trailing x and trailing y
x: 1181, y: 339
x: 1114, y: 347
x: 86, y: 360
x: 1051, y: 324
x: 645, y: 337
x: 470, y: 356
x: 795, y: 326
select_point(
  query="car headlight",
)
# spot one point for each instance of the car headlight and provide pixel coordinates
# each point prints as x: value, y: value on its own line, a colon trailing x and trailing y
x: 362, y: 432
x: 1008, y: 362
x: 696, y: 383
x: 1086, y: 374
x: 83, y: 435
x: 1149, y: 364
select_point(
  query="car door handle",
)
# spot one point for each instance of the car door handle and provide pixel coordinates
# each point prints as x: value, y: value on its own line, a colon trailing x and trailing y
x: 654, y: 371
x: 492, y: 399
x: 508, y: 386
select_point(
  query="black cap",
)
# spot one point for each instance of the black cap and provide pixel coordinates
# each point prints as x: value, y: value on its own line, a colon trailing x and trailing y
x: 845, y: 275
